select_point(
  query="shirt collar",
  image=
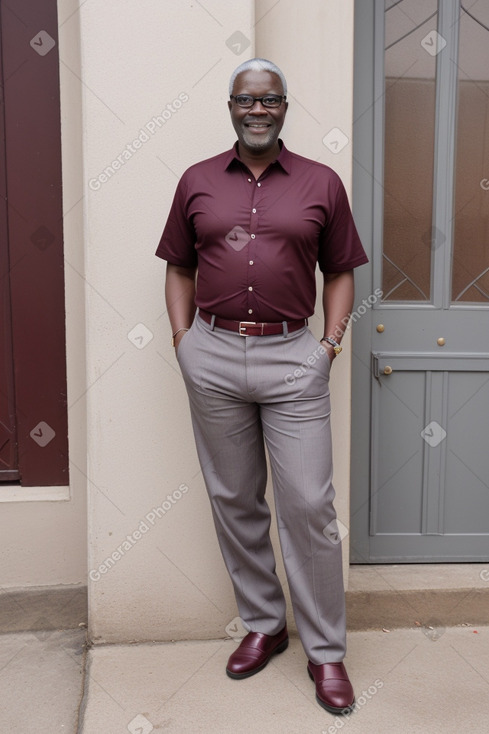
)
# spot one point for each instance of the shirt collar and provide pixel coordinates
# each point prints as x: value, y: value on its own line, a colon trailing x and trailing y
x: 283, y: 158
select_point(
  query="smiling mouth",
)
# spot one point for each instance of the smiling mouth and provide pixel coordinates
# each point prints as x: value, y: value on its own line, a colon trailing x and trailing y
x: 258, y: 126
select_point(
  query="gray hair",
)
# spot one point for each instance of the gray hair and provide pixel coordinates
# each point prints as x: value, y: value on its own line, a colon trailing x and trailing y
x: 257, y: 65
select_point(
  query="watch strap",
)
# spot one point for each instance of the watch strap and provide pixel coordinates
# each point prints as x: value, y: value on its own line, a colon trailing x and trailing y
x: 337, y: 348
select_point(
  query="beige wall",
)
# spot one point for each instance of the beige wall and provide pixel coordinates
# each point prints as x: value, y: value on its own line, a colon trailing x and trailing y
x: 173, y: 59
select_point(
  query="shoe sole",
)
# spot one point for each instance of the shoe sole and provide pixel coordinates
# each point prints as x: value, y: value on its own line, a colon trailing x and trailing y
x: 239, y: 676
x: 332, y: 709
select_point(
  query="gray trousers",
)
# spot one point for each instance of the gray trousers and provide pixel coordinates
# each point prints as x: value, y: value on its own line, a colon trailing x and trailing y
x: 245, y: 392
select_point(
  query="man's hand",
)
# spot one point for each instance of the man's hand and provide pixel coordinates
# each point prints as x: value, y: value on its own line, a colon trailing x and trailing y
x: 338, y: 294
x: 329, y: 350
x: 178, y: 339
x: 180, y: 298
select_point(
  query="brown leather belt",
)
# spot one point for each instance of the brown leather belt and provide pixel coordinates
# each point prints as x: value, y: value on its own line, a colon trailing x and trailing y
x: 253, y: 328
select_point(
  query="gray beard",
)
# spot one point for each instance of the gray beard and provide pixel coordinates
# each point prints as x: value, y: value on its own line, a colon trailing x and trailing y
x: 264, y: 141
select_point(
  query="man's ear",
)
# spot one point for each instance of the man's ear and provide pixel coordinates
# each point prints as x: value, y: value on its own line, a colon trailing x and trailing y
x: 230, y: 105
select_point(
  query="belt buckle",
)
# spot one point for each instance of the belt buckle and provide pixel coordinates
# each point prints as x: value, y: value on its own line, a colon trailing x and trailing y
x: 244, y: 324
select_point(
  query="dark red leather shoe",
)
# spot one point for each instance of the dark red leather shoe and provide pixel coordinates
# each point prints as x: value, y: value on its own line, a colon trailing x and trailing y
x: 334, y: 691
x: 254, y: 653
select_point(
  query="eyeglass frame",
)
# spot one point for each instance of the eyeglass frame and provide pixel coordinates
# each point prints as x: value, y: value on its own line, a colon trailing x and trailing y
x: 282, y: 97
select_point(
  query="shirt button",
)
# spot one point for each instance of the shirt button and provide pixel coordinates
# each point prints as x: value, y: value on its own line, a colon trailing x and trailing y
x: 254, y: 211
x: 250, y: 287
x: 251, y: 262
x: 258, y: 184
x: 249, y: 180
x: 250, y: 310
x: 252, y: 236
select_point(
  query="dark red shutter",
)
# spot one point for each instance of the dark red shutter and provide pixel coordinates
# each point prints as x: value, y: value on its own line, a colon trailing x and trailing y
x: 35, y: 237
x: 8, y: 439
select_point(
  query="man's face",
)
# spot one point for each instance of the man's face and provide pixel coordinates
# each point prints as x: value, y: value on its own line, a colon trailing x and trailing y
x: 257, y: 127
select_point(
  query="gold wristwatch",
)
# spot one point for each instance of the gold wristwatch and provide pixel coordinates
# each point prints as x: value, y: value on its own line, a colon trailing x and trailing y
x: 337, y: 348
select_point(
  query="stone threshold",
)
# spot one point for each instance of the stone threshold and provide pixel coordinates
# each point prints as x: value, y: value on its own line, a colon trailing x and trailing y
x: 417, y: 595
x: 43, y: 608
x: 378, y: 597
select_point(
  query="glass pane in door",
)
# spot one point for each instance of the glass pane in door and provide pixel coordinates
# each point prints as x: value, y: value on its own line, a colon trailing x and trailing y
x: 409, y: 120
x: 470, y: 266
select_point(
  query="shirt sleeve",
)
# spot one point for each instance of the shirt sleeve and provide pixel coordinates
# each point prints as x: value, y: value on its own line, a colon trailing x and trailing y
x: 177, y: 243
x: 340, y: 247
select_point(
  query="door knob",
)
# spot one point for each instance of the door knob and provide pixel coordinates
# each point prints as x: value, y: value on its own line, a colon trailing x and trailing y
x: 387, y: 370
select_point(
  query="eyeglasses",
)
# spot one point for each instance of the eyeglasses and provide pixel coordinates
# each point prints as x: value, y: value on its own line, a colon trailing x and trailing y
x: 269, y: 100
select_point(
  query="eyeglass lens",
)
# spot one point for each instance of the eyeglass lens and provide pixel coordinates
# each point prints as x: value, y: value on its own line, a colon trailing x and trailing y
x: 270, y: 100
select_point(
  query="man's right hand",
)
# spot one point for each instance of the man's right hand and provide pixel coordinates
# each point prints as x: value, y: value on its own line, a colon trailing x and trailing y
x: 178, y: 339
x: 180, y: 299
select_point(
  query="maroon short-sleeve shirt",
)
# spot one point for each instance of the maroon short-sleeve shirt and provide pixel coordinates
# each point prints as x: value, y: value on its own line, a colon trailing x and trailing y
x: 256, y: 243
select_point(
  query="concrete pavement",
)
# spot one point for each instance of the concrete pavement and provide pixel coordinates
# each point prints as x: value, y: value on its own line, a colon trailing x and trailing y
x: 406, y: 681
x: 418, y: 656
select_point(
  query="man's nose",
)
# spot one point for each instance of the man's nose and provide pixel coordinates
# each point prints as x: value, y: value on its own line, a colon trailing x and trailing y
x: 258, y: 108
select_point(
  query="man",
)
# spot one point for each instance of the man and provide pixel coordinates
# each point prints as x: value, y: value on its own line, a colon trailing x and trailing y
x: 254, y: 222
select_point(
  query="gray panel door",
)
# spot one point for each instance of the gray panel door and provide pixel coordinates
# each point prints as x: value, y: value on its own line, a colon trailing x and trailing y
x: 420, y: 451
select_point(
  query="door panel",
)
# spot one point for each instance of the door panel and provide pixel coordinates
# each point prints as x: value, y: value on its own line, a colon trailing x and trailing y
x: 8, y: 429
x: 467, y: 471
x: 470, y: 277
x: 420, y: 469
x: 410, y: 99
x: 430, y: 464
x: 397, y: 470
